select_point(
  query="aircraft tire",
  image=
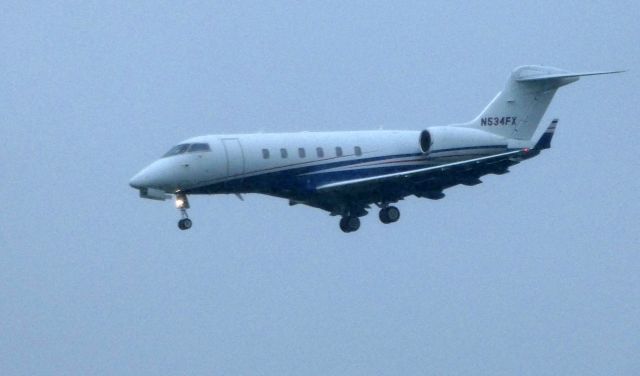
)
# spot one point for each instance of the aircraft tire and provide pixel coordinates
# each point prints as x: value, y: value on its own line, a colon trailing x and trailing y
x: 393, y: 214
x: 389, y: 214
x: 184, y: 224
x: 383, y: 216
x: 349, y: 224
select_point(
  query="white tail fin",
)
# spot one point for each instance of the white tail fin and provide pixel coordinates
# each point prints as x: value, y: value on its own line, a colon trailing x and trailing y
x: 517, y: 110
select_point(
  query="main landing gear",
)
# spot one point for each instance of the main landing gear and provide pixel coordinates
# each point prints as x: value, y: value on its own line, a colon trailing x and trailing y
x: 182, y: 203
x: 389, y: 214
x: 351, y: 223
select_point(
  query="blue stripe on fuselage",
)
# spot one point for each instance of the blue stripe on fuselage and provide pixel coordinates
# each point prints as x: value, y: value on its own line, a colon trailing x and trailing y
x: 302, y: 178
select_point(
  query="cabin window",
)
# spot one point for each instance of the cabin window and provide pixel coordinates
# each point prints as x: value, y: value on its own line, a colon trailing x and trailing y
x: 320, y: 152
x: 338, y: 151
x: 358, y: 151
x: 302, y: 153
x: 283, y: 153
x: 265, y: 153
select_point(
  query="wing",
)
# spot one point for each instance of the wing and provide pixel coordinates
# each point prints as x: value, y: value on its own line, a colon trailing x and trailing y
x: 424, y: 172
x: 358, y: 194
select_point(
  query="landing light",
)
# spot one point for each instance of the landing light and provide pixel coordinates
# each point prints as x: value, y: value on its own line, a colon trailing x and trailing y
x: 526, y: 150
x: 179, y: 202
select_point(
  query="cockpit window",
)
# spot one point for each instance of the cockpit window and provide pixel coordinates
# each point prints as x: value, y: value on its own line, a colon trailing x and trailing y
x: 188, y: 148
x: 178, y: 149
x: 199, y: 147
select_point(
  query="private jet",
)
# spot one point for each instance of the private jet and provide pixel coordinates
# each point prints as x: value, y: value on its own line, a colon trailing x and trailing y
x: 348, y: 173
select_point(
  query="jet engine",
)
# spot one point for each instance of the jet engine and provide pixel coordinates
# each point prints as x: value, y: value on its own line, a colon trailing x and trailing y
x: 434, y: 139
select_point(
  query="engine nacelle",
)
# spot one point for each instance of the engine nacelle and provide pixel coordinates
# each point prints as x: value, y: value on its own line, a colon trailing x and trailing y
x: 425, y: 141
x: 434, y: 139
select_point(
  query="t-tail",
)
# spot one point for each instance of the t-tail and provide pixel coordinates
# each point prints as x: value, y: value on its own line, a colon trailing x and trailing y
x: 516, y: 111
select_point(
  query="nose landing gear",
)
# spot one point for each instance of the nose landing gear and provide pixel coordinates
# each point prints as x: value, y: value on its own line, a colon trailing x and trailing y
x: 184, y: 224
x: 182, y: 203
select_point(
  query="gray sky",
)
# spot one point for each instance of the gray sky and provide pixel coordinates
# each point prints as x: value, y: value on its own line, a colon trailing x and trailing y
x: 531, y: 273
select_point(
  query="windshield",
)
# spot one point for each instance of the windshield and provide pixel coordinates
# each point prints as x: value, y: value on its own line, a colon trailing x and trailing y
x: 178, y: 149
x: 199, y: 147
x: 190, y: 148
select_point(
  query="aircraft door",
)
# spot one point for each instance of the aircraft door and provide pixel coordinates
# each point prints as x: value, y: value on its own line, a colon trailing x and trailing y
x: 235, y: 156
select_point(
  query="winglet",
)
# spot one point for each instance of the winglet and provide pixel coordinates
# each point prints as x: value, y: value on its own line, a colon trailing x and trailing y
x: 545, y: 140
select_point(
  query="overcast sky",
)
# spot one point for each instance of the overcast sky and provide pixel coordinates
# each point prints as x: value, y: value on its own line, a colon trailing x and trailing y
x: 531, y: 273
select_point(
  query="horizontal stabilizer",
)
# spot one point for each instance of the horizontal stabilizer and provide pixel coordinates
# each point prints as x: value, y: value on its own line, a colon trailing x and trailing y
x: 540, y: 77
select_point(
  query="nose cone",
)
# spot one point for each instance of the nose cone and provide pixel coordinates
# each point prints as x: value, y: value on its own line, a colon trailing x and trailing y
x: 149, y: 177
x: 161, y: 175
x: 139, y: 181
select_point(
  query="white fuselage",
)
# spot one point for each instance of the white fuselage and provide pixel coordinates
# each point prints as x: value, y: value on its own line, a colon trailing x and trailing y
x: 289, y: 164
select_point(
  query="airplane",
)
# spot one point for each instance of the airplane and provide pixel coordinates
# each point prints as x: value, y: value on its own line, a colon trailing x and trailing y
x: 345, y: 173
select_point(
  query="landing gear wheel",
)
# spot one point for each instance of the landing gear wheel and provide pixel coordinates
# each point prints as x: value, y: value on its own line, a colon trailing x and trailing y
x: 182, y: 203
x: 389, y: 214
x: 349, y: 224
x: 184, y: 224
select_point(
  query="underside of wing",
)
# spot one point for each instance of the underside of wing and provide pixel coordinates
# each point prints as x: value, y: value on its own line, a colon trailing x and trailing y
x: 426, y: 182
x: 422, y: 172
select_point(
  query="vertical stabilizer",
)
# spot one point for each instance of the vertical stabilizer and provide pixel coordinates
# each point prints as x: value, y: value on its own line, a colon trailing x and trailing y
x: 516, y: 111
